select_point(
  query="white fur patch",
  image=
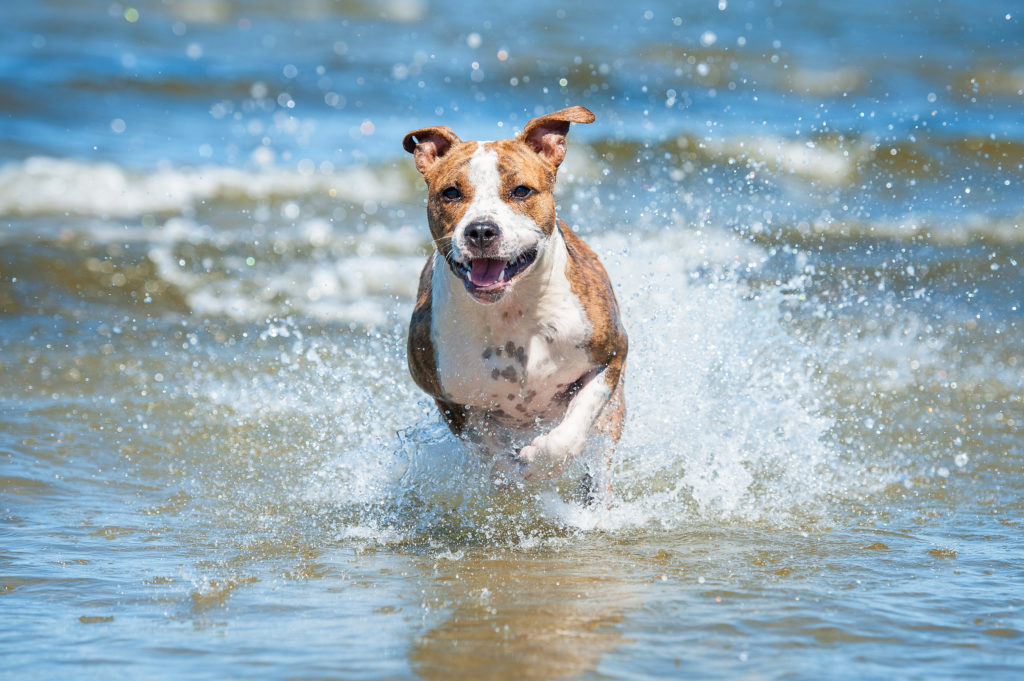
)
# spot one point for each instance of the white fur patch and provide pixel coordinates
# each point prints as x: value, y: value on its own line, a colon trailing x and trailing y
x: 518, y: 232
x: 540, y: 320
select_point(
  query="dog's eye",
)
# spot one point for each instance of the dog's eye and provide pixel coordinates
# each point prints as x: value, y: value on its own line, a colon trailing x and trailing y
x: 521, y: 192
x: 451, y: 194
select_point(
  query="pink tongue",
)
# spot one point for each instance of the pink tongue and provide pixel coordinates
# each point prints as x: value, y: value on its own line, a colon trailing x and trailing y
x: 485, y: 272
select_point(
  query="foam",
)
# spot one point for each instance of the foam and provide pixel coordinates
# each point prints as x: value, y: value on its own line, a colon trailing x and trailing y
x: 44, y: 186
x: 804, y: 158
x: 53, y: 186
x: 360, y: 278
x: 969, y: 228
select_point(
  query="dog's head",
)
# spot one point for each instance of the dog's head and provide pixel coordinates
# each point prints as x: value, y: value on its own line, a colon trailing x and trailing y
x: 490, y: 207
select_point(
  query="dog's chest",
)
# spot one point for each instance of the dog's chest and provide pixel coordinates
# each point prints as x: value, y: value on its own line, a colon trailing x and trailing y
x: 517, y: 359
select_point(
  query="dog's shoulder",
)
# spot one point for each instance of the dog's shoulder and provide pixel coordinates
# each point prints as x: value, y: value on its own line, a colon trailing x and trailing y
x: 422, y: 359
x: 590, y: 283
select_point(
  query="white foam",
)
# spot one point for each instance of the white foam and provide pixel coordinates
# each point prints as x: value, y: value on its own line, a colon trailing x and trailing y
x: 964, y: 230
x: 47, y: 186
x: 361, y: 278
x: 805, y: 158
x: 826, y: 81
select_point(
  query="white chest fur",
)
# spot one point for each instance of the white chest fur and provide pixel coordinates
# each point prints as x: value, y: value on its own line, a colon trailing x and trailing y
x: 518, y: 356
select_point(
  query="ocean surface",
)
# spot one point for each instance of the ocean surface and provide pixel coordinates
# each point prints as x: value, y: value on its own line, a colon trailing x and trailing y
x: 213, y: 462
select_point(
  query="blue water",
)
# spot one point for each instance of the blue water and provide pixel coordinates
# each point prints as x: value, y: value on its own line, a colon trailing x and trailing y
x: 213, y: 463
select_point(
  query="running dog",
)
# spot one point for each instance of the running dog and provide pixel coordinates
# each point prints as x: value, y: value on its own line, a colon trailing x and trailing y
x: 516, y: 332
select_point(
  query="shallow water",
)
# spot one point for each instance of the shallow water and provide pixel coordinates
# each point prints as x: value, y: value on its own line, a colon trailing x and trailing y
x: 213, y: 463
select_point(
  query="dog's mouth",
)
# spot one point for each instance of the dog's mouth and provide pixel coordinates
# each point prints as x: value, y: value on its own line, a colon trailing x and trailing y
x: 487, y: 274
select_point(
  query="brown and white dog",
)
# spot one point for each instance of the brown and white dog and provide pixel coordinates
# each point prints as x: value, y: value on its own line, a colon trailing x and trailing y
x: 516, y: 331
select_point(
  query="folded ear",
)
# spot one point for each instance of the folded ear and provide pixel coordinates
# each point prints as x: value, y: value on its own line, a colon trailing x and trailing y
x: 546, y: 134
x: 429, y: 144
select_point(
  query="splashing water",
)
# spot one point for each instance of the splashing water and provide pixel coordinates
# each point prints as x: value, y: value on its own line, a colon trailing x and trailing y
x: 721, y: 423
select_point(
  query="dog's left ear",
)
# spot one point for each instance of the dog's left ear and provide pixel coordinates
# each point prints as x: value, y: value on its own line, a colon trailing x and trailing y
x: 546, y: 134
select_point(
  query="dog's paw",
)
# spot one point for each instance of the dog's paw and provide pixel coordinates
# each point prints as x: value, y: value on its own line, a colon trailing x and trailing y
x: 544, y: 458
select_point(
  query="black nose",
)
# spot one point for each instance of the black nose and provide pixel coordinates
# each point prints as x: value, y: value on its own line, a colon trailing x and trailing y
x: 481, y: 233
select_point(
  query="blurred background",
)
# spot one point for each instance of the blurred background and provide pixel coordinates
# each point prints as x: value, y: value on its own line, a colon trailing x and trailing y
x: 219, y: 121
x: 213, y: 462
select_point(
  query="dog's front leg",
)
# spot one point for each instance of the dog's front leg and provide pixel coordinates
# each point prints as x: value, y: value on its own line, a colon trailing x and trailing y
x: 548, y: 455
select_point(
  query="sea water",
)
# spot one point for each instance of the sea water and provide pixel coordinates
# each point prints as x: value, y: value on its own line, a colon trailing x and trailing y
x: 213, y: 462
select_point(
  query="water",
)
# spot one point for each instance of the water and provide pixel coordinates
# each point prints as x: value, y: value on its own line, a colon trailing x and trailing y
x: 213, y: 463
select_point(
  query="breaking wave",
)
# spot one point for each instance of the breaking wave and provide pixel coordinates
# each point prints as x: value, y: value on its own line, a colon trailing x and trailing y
x: 54, y: 186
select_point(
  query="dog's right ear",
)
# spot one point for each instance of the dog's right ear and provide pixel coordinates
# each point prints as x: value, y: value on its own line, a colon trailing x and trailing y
x: 429, y: 144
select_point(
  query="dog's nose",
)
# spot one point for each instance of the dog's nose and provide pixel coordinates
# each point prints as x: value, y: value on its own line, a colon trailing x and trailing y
x: 481, y: 233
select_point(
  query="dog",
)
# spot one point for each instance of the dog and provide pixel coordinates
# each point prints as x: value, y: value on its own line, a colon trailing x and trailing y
x: 516, y: 332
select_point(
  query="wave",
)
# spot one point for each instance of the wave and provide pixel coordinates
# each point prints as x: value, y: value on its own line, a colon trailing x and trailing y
x: 814, y: 165
x: 311, y: 268
x: 53, y: 186
x: 934, y: 230
x: 227, y: 11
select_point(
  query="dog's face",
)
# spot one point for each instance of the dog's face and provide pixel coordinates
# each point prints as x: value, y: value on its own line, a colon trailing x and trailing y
x: 490, y: 207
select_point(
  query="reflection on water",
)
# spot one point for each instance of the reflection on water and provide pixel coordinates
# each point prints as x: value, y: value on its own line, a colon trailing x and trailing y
x: 522, y: 616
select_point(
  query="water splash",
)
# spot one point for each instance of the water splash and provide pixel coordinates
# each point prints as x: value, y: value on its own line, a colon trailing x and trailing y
x: 722, y: 424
